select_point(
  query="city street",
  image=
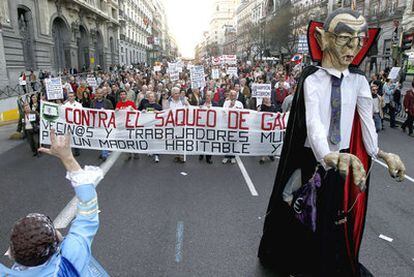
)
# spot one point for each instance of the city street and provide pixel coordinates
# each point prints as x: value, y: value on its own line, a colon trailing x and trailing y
x: 196, y: 219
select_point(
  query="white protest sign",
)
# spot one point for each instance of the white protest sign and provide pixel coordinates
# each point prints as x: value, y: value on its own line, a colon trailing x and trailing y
x: 394, y: 73
x: 190, y: 130
x: 54, y: 88
x: 261, y: 90
x: 32, y: 117
x: 157, y: 68
x: 22, y: 82
x: 180, y: 66
x: 174, y: 76
x: 232, y: 71
x: 228, y: 59
x: 172, y: 67
x: 197, y: 77
x: 215, y: 73
x: 92, y: 82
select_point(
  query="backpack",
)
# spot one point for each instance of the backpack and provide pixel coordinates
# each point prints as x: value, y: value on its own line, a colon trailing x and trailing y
x: 396, y: 97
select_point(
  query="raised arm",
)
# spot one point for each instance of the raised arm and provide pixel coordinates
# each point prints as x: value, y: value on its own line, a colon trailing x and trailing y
x: 76, y: 247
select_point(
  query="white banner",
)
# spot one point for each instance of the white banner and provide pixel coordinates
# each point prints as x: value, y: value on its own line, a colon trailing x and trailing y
x: 261, y: 90
x: 197, y: 77
x: 54, y: 89
x: 228, y: 59
x: 191, y: 130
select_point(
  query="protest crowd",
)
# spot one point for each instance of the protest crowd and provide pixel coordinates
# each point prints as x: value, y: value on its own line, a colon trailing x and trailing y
x: 154, y: 90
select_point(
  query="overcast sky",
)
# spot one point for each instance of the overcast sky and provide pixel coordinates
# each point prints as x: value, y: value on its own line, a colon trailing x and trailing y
x: 187, y: 20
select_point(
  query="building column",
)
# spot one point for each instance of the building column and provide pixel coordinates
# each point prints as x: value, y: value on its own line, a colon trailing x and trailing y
x: 4, y: 80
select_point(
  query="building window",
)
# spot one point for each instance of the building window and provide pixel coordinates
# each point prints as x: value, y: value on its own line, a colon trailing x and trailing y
x: 387, y: 47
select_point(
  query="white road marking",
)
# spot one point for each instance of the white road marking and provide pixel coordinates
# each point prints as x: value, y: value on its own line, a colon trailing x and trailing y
x: 68, y: 213
x: 179, y: 242
x: 246, y: 177
x: 411, y: 179
x: 381, y: 236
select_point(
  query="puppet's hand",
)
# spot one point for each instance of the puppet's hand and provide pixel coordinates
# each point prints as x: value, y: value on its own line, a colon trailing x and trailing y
x: 342, y: 162
x: 396, y: 167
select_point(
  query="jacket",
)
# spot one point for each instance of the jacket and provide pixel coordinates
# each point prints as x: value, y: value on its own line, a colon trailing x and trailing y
x: 107, y: 104
x: 74, y: 256
x: 22, y: 122
x: 409, y: 102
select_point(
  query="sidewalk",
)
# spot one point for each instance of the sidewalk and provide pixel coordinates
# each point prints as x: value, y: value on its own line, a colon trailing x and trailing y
x: 6, y: 143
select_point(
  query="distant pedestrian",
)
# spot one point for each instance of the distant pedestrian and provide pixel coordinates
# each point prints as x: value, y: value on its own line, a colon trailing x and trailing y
x: 377, y: 105
x: 101, y: 103
x: 232, y: 103
x: 409, y: 109
x: 23, y: 81
x: 71, y: 102
x: 267, y: 106
x: 29, y: 124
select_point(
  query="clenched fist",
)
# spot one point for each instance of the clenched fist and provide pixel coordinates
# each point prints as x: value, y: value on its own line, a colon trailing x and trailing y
x: 396, y: 167
x: 342, y: 162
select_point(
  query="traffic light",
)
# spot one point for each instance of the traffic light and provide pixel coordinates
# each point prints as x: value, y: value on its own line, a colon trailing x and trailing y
x: 407, y: 41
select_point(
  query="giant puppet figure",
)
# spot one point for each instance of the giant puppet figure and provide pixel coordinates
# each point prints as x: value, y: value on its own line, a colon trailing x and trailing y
x: 316, y: 215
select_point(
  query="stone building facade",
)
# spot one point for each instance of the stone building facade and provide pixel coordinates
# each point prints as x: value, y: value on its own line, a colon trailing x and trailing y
x: 136, y: 19
x: 58, y: 34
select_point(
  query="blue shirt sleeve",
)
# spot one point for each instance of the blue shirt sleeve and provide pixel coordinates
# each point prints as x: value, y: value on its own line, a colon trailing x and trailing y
x: 76, y: 247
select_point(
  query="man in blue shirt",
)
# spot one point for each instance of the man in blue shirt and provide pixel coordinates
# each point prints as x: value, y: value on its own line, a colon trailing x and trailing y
x: 38, y: 249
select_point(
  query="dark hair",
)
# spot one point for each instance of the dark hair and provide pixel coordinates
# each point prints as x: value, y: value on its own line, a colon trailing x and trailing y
x: 33, y: 240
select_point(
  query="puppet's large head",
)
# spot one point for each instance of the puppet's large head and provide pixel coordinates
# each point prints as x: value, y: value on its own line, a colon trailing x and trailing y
x: 34, y: 240
x: 341, y: 38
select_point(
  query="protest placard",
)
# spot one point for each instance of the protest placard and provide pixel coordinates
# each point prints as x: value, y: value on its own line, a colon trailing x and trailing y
x: 215, y: 73
x: 197, y: 77
x: 172, y: 67
x: 92, y: 82
x: 174, y: 76
x: 157, y: 68
x: 232, y: 71
x: 228, y: 59
x: 261, y: 90
x: 191, y: 130
x: 394, y: 73
x: 54, y: 88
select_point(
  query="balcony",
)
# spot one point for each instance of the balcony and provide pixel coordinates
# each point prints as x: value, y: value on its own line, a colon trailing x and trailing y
x: 388, y: 14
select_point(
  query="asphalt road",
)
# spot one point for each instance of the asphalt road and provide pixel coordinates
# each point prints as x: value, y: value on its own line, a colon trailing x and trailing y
x: 158, y: 221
